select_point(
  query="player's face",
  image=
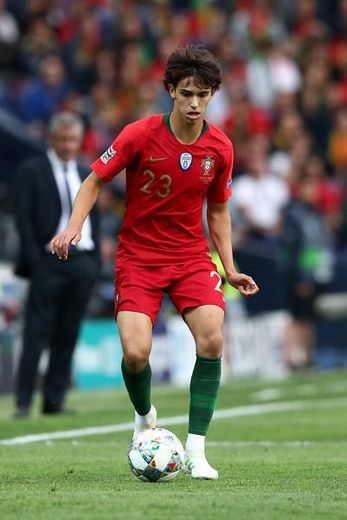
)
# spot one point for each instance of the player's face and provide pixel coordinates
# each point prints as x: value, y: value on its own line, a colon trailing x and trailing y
x: 190, y: 100
x: 66, y: 142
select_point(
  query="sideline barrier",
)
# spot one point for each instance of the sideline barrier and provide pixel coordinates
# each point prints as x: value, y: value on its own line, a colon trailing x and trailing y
x: 98, y: 355
x: 253, y: 347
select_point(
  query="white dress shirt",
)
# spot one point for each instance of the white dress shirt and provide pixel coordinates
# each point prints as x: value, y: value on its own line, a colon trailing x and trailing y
x: 264, y: 198
x: 74, y: 182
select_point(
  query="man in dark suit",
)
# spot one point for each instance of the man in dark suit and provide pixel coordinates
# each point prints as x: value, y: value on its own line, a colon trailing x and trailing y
x: 58, y: 291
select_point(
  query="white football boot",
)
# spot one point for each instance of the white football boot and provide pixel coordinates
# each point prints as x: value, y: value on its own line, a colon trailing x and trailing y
x: 144, y: 422
x: 196, y: 465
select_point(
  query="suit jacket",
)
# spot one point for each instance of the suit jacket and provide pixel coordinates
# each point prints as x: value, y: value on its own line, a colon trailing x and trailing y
x: 37, y: 207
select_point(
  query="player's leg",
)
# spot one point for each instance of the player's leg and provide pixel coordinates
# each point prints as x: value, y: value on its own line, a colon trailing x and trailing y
x: 197, y: 294
x: 206, y: 324
x: 135, y: 330
x: 137, y: 302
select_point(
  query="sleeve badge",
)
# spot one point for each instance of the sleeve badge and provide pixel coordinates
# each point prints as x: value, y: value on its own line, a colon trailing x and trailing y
x: 106, y: 156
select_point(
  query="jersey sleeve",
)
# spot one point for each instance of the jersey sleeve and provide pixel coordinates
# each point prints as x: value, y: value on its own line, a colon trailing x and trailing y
x: 119, y: 155
x: 221, y: 188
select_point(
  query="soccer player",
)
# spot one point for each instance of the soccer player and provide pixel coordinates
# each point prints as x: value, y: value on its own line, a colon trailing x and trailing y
x: 173, y: 163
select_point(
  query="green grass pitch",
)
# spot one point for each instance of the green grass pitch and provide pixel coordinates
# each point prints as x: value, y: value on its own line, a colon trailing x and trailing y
x: 280, y: 464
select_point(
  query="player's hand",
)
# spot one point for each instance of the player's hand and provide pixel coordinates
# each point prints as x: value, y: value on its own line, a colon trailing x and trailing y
x: 243, y: 283
x: 61, y: 242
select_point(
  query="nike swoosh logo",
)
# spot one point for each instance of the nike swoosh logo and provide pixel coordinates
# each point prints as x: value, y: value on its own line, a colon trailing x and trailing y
x: 155, y: 159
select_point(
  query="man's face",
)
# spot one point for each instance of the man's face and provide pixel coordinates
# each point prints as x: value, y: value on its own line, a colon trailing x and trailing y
x: 190, y: 100
x: 66, y: 142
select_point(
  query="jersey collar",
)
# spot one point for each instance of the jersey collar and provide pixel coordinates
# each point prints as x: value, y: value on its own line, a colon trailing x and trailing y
x: 166, y: 120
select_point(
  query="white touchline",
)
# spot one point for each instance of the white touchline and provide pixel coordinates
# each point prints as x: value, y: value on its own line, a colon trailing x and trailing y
x: 227, y: 413
x: 290, y: 444
x: 301, y: 390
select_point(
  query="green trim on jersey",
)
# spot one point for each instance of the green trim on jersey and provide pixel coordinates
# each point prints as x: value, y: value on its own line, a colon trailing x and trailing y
x: 166, y: 120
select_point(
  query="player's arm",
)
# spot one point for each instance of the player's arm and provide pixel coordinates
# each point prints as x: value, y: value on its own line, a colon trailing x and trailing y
x: 219, y: 224
x: 83, y: 204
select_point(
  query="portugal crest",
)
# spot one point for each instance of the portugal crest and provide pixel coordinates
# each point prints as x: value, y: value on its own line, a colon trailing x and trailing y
x: 186, y: 159
x: 207, y: 164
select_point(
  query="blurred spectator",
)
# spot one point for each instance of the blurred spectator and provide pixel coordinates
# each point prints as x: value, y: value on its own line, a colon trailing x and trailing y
x: 306, y: 24
x: 40, y: 98
x: 9, y: 36
x: 305, y: 262
x: 148, y: 97
x: 289, y: 129
x: 342, y: 228
x: 340, y: 22
x: 105, y: 68
x: 111, y: 213
x: 130, y: 28
x: 314, y: 103
x: 329, y: 196
x: 82, y: 51
x: 291, y: 155
x: 243, y: 122
x: 253, y: 23
x: 38, y: 42
x: 271, y: 72
x: 258, y: 197
x: 338, y: 144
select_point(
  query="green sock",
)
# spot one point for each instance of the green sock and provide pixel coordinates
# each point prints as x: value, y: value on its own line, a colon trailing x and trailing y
x: 204, y: 386
x: 138, y: 385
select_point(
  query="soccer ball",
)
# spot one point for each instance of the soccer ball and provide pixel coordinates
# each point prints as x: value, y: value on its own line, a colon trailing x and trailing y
x: 156, y: 455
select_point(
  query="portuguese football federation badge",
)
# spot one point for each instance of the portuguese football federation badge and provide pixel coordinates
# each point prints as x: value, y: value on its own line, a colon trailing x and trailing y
x: 207, y: 164
x: 186, y: 159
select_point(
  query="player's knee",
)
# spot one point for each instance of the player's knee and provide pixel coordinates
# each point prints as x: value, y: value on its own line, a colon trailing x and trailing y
x: 135, y: 360
x: 211, y: 345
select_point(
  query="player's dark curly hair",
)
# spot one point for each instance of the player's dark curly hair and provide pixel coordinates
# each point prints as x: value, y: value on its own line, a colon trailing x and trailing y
x: 196, y: 62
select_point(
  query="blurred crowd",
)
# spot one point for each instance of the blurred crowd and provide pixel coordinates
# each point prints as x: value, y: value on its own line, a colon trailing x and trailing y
x: 283, y: 103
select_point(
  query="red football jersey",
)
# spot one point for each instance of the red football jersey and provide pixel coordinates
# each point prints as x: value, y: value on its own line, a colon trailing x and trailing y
x: 166, y: 184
